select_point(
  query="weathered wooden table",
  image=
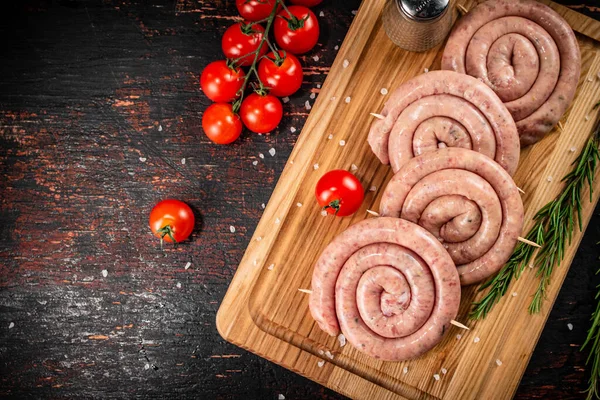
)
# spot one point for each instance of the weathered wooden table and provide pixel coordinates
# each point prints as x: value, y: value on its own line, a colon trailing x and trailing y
x: 100, y: 117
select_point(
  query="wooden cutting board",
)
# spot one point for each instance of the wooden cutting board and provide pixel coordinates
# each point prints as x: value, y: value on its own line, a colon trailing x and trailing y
x: 264, y: 312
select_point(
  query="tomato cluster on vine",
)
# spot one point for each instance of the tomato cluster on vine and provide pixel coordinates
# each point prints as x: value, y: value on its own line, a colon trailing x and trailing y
x: 274, y: 65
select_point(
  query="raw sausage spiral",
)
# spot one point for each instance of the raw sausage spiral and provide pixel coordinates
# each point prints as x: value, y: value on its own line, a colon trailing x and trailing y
x: 444, y: 109
x: 524, y: 51
x: 389, y: 285
x: 467, y: 201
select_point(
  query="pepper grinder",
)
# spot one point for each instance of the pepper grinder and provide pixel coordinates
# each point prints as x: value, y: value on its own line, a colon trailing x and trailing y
x: 417, y: 25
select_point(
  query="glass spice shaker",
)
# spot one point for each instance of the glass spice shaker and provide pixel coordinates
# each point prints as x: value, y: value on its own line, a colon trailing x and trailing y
x: 417, y: 25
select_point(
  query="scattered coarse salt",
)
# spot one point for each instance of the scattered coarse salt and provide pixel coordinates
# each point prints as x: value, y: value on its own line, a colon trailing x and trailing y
x: 476, y: 340
x: 321, y: 363
x: 255, y: 262
x: 514, y: 294
x: 318, y: 86
x: 255, y: 162
x: 373, y: 189
x: 570, y: 326
x: 270, y: 267
x: 321, y: 14
x: 321, y: 352
x: 333, y: 98
x: 312, y: 95
x: 147, y: 366
x: 549, y: 179
x: 590, y: 79
x: 426, y: 70
x: 292, y: 129
x: 342, y: 142
x: 281, y: 397
x: 232, y: 228
x: 572, y: 149
x: 328, y: 354
x: 346, y: 63
x: 384, y: 91
x: 316, y: 58
x: 405, y: 370
x: 436, y: 377
x: 292, y: 162
x: 272, y: 152
x: 262, y: 206
x: 347, y: 99
x: 178, y: 285
x: 258, y: 239
x: 299, y: 204
x: 11, y: 325
x: 277, y: 221
x: 188, y: 265
x: 330, y: 136
x: 353, y: 167
x: 316, y: 166
x: 444, y: 371
x: 183, y: 161
x: 307, y: 105
x: 104, y: 273
x: 498, y: 362
x: 261, y: 155
x: 587, y: 117
x: 160, y: 128
x: 324, y: 213
x: 285, y: 99
x: 354, y: 12
x: 336, y: 47
x: 373, y: 213
x: 143, y: 159
x: 342, y: 339
x: 458, y: 337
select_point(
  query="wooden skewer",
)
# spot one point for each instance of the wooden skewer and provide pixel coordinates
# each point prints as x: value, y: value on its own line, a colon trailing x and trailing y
x: 305, y: 291
x: 529, y: 242
x: 456, y: 323
x: 462, y: 9
x: 379, y: 116
x: 373, y: 213
x: 520, y: 190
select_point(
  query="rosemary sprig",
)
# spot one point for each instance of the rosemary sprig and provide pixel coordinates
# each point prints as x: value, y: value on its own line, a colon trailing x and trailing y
x: 593, y: 339
x: 553, y: 228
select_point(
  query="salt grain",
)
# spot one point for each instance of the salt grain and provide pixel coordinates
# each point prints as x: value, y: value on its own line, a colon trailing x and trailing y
x: 498, y: 362
x: 373, y: 189
x: 384, y: 91
x: 316, y: 58
x: 160, y: 128
x: 590, y: 79
x: 232, y: 228
x: 178, y: 285
x: 342, y: 339
x: 336, y: 47
x: 255, y: 262
x: 353, y: 167
x: 458, y: 337
x: 104, y: 273
x: 285, y: 99
x: 292, y: 129
x: 318, y: 86
x: 262, y: 206
x: 587, y: 117
x: 299, y: 204
x: 346, y: 63
x: 316, y: 166
x: 323, y: 213
x: 572, y: 149
x: 272, y: 152
x: 426, y: 70
x: 255, y: 162
x: 347, y: 100
x: 342, y: 143
x: 321, y: 14
x: 307, y: 105
x: 321, y: 363
x: 258, y: 239
x: 436, y: 377
x: 476, y: 340
x: 330, y: 136
x: 321, y: 352
x: 147, y: 366
x: 312, y: 96
x: 143, y: 159
x: 11, y: 325
x: 188, y: 265
x: 549, y: 179
x: 261, y: 155
x: 270, y: 267
x: 514, y: 294
x: 281, y: 397
x: 570, y: 326
x: 183, y: 161
x: 277, y: 221
x: 328, y: 354
x: 354, y: 12
x: 405, y: 370
x: 444, y: 371
x: 333, y: 98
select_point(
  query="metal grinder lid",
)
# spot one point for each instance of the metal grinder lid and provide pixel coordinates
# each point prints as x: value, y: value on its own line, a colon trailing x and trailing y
x: 423, y: 10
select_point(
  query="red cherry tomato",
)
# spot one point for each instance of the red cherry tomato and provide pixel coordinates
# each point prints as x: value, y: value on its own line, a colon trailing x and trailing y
x: 240, y: 40
x: 283, y: 75
x: 172, y: 220
x: 255, y: 10
x: 339, y: 192
x: 261, y: 114
x: 220, y: 83
x: 220, y: 124
x: 298, y: 33
x: 306, y: 3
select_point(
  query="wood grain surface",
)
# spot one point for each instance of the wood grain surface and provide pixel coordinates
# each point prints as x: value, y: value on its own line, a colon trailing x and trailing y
x: 99, y: 105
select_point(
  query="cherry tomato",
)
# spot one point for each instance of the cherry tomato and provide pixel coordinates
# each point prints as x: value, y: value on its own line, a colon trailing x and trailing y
x: 220, y: 124
x: 306, y: 3
x: 240, y: 40
x: 339, y: 192
x: 283, y: 75
x: 221, y: 83
x: 261, y: 114
x: 172, y: 220
x: 298, y: 33
x: 255, y: 10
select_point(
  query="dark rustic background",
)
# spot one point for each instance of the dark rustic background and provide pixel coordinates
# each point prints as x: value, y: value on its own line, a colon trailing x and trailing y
x: 99, y: 107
